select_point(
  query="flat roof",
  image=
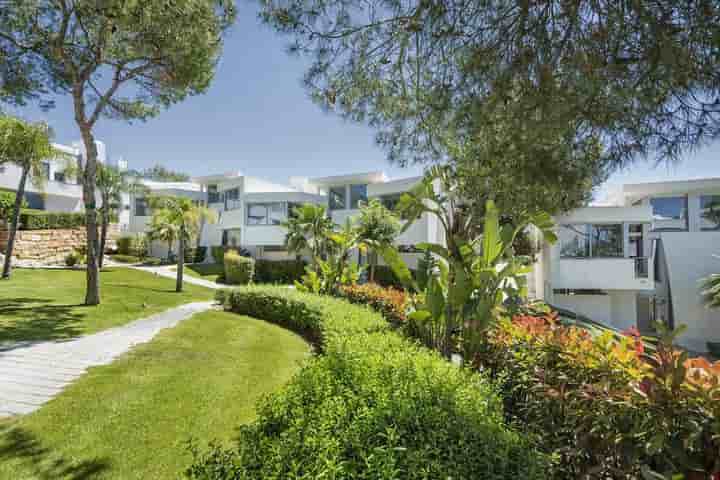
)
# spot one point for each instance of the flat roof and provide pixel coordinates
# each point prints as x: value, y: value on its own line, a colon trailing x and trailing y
x: 365, y: 177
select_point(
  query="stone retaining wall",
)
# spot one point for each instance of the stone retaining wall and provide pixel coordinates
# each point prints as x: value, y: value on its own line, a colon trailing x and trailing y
x: 50, y: 247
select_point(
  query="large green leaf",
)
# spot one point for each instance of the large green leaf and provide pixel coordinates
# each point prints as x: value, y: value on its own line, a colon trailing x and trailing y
x: 392, y: 258
x: 435, y: 299
x: 438, y: 250
x: 492, y: 244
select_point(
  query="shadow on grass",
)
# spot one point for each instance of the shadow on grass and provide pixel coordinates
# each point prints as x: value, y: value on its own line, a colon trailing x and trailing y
x: 20, y: 446
x: 33, y: 319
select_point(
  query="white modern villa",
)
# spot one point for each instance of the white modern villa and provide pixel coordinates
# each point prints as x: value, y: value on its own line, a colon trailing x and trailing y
x: 639, y: 259
x: 251, y: 210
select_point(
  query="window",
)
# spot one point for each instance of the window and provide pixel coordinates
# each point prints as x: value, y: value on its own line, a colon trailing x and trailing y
x: 710, y: 212
x: 358, y: 193
x: 141, y: 208
x: 336, y: 198
x: 266, y: 213
x: 582, y: 241
x: 607, y: 241
x: 390, y: 201
x: 2, y: 169
x: 669, y: 213
x: 574, y: 241
x: 232, y: 194
x: 635, y: 234
x: 46, y: 170
x: 213, y: 194
x: 59, y: 177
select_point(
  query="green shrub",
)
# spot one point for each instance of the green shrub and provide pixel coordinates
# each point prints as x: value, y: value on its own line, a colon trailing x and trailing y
x: 7, y: 204
x: 153, y: 261
x: 124, y: 244
x: 42, y: 220
x: 384, y: 276
x: 200, y: 254
x: 374, y: 405
x: 218, y: 253
x: 122, y: 258
x: 72, y: 259
x: 239, y: 270
x: 285, y: 272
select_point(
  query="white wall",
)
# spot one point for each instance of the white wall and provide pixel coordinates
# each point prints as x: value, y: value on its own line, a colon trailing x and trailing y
x: 690, y: 259
x: 617, y: 309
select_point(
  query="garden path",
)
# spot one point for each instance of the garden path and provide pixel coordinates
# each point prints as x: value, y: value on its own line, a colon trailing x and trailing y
x: 32, y: 373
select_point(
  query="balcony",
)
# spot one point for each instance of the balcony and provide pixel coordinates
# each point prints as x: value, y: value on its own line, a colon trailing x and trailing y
x: 604, y: 274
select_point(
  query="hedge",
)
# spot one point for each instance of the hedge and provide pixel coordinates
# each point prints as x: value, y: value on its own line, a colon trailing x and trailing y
x: 390, y: 302
x: 373, y: 405
x: 44, y: 220
x: 385, y: 277
x: 279, y: 271
x: 239, y: 270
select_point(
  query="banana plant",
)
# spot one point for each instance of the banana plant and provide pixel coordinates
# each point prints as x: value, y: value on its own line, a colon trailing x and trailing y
x: 476, y: 269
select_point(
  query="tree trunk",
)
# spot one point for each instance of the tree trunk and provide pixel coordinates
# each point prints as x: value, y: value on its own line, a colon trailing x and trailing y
x: 92, y: 291
x: 169, y: 254
x: 180, y: 263
x: 14, y: 223
x: 372, y: 258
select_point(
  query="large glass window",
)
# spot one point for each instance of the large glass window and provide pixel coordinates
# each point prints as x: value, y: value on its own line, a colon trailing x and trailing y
x: 669, y: 213
x: 336, y: 198
x: 59, y: 176
x: 266, y: 213
x: 574, y: 241
x: 606, y: 241
x: 46, y: 170
x: 710, y: 212
x: 358, y: 193
x: 582, y: 241
x: 213, y: 194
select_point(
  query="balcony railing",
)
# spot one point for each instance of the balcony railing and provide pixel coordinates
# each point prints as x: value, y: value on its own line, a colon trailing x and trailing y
x: 642, y: 266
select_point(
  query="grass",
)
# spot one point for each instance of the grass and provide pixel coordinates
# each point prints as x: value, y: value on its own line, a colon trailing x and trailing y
x: 206, y: 271
x: 132, y: 419
x: 47, y: 304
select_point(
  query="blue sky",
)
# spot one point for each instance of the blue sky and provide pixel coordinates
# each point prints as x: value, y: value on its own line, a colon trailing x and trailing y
x: 257, y: 118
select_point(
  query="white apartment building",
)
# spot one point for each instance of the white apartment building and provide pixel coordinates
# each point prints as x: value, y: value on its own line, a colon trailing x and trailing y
x: 251, y: 210
x: 60, y: 192
x: 639, y: 259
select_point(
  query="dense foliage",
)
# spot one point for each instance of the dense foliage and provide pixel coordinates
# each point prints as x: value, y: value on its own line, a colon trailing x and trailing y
x: 160, y: 173
x: 605, y: 406
x: 42, y: 220
x: 373, y: 406
x: 125, y: 258
x: 284, y: 272
x: 390, y: 302
x: 134, y: 245
x: 536, y: 101
x: 239, y: 270
x: 7, y: 204
x: 114, y: 59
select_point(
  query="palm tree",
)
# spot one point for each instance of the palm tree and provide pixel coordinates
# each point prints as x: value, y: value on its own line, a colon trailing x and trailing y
x: 186, y: 217
x: 308, y: 229
x: 111, y: 183
x: 161, y: 228
x: 25, y: 145
x: 711, y: 289
x: 377, y: 227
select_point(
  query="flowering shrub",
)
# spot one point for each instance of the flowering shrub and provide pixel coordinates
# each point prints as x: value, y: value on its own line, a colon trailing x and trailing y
x: 604, y: 406
x: 391, y: 303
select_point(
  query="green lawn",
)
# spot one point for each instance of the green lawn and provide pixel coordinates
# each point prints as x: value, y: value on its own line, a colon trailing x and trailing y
x: 47, y: 304
x: 132, y: 419
x: 206, y: 271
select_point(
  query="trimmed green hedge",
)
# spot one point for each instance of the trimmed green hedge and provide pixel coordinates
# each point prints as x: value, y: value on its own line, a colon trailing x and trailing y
x: 123, y: 258
x: 384, y: 276
x: 279, y: 271
x: 239, y: 270
x: 375, y: 405
x: 42, y: 220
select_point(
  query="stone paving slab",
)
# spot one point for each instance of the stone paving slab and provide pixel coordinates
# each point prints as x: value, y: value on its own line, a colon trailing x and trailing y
x: 33, y: 373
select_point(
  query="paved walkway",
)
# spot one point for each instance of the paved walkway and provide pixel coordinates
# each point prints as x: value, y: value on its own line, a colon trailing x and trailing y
x: 33, y: 373
x: 170, y: 272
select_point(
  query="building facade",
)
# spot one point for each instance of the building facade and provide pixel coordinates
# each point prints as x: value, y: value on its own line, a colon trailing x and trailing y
x: 639, y: 260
